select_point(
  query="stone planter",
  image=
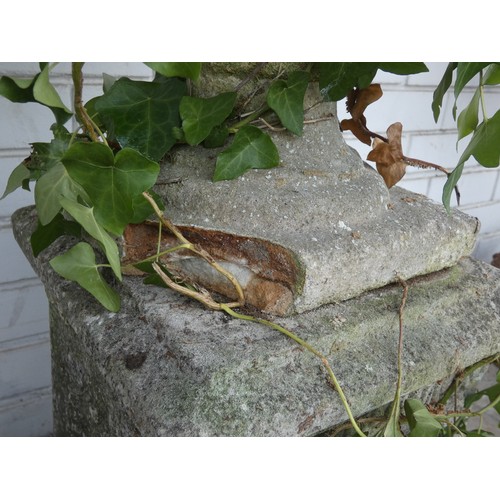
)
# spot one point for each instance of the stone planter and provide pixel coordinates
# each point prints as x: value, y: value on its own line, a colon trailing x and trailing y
x: 319, y: 242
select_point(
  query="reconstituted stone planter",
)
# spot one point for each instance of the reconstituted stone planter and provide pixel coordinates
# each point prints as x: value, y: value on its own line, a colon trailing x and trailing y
x: 318, y: 242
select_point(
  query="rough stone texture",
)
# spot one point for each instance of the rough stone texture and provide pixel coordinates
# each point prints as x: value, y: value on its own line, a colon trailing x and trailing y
x: 345, y: 232
x: 166, y: 366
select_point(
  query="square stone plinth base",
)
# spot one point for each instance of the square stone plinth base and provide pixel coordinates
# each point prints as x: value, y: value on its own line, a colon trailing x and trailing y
x: 167, y: 367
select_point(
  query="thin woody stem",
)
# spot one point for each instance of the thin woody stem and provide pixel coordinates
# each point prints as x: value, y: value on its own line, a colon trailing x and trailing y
x: 81, y: 112
x: 414, y: 162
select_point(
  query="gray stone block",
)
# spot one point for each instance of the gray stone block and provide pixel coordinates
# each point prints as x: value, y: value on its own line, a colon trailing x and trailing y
x: 325, y: 217
x: 165, y: 366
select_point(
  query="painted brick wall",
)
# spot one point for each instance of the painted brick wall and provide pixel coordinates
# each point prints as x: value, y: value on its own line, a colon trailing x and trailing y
x: 25, y: 394
x: 25, y: 380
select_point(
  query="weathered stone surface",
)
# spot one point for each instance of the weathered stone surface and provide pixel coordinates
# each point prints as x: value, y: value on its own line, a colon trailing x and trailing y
x: 342, y: 231
x: 166, y: 366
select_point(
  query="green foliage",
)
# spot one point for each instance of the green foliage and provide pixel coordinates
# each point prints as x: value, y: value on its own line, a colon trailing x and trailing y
x: 251, y: 148
x: 484, y: 145
x: 79, y: 264
x: 287, y: 100
x: 200, y: 116
x: 336, y: 80
x: 422, y: 423
x: 37, y: 89
x: 468, y: 118
x: 142, y: 115
x: 492, y: 393
x: 112, y: 183
x: 16, y: 179
x: 44, y: 236
x: 97, y: 177
x: 441, y: 89
x: 85, y: 217
x: 56, y: 183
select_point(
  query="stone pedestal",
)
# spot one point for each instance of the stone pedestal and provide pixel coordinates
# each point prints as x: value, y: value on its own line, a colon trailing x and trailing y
x: 164, y: 366
x: 317, y: 242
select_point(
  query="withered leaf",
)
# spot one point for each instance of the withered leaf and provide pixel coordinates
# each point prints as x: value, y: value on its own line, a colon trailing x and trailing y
x: 358, y: 128
x: 388, y: 156
x: 357, y: 102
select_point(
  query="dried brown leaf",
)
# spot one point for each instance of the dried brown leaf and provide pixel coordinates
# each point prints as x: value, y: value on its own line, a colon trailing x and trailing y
x: 357, y: 101
x: 358, y: 128
x: 388, y: 156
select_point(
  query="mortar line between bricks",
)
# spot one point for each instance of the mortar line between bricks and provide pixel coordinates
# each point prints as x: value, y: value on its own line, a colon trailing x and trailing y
x: 18, y: 285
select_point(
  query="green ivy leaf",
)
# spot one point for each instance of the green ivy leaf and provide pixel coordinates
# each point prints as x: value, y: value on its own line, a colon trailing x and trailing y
x: 36, y: 89
x: 44, y: 236
x: 336, y: 79
x: 141, y: 115
x: 17, y: 89
x: 286, y: 99
x: 492, y: 394
x: 450, y: 184
x: 251, y: 148
x: 492, y: 74
x: 217, y: 137
x: 200, y: 116
x: 85, y: 217
x: 441, y: 89
x: 16, y: 179
x: 468, y: 118
x: 465, y: 72
x: 420, y: 420
x: 485, y: 145
x: 50, y: 187
x: 392, y: 428
x: 45, y: 93
x: 182, y: 70
x: 403, y: 68
x: 112, y: 183
x: 78, y: 264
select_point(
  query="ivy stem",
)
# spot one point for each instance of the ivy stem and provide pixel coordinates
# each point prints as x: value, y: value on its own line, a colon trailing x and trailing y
x: 395, y: 408
x: 251, y: 117
x: 311, y: 349
x: 81, y: 112
x: 481, y: 94
x: 461, y: 375
x: 159, y: 254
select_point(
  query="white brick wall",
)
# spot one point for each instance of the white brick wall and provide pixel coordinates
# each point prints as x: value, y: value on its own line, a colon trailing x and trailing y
x: 25, y: 398
x: 25, y: 394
